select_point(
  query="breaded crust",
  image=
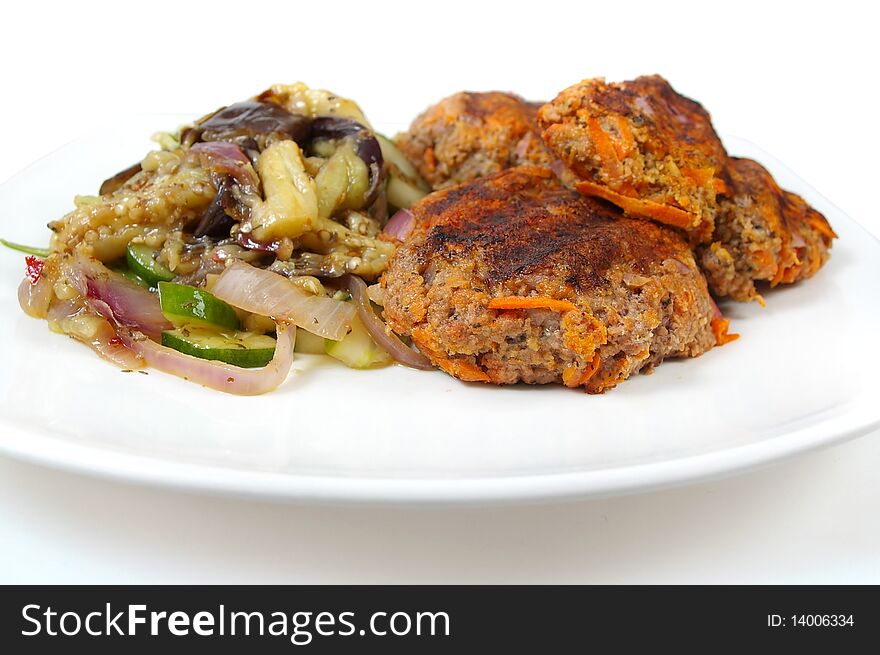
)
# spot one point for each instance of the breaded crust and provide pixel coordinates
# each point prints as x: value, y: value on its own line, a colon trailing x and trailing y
x: 469, y: 135
x: 762, y: 233
x: 514, y: 278
x: 642, y: 146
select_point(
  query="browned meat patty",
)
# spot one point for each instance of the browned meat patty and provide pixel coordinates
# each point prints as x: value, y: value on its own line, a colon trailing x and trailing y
x: 515, y: 278
x: 762, y: 233
x: 654, y: 153
x: 469, y: 135
x: 642, y: 146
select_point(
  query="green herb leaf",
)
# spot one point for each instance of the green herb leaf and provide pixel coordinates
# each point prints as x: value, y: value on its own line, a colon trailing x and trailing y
x: 29, y: 250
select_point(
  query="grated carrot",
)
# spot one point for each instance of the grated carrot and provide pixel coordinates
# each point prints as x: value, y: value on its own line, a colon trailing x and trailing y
x: 821, y: 226
x: 605, y: 149
x: 719, y: 329
x: 626, y: 143
x: 531, y: 302
x: 591, y: 369
x: 700, y: 176
x: 573, y: 378
x: 638, y: 207
x: 456, y: 367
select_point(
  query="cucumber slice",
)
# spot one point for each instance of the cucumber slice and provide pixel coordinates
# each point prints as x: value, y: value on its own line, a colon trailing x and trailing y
x: 131, y: 276
x: 141, y: 262
x: 185, y: 305
x: 308, y: 343
x: 243, y: 349
x: 402, y: 194
x: 392, y: 155
x: 357, y: 349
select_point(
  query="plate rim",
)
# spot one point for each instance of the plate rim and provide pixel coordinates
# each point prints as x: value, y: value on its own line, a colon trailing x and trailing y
x: 306, y: 489
x: 43, y: 447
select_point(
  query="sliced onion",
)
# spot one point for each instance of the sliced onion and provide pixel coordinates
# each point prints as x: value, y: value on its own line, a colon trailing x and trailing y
x: 270, y: 294
x: 681, y: 266
x: 129, y: 304
x: 400, y: 225
x: 522, y: 146
x: 75, y: 320
x: 389, y: 342
x: 35, y: 298
x: 214, y: 374
x: 558, y: 167
x: 376, y: 294
x: 401, y: 193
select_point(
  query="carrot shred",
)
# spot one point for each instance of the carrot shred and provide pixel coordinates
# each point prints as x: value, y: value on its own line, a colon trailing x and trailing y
x: 821, y: 226
x: 720, y: 185
x: 531, y: 302
x: 463, y: 369
x: 459, y: 368
x: 787, y: 273
x: 573, y: 378
x: 764, y: 259
x: 700, y: 176
x: 430, y: 160
x: 591, y: 369
x: 662, y: 213
x: 719, y: 329
x: 779, y: 276
x: 626, y: 143
x: 605, y: 149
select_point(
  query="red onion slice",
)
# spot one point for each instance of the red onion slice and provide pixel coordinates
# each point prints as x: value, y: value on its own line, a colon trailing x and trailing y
x: 400, y: 225
x: 558, y: 167
x: 101, y: 335
x: 716, y: 310
x: 218, y: 375
x: 35, y: 298
x: 391, y: 343
x: 129, y: 304
x: 269, y: 294
x: 522, y: 146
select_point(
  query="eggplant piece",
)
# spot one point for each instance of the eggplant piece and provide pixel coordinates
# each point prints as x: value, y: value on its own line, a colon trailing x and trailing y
x: 250, y: 124
x: 224, y: 158
x: 112, y: 184
x: 366, y: 146
x: 216, y: 221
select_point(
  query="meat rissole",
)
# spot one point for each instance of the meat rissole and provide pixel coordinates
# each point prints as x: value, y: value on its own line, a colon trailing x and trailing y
x: 654, y: 153
x: 762, y: 233
x: 642, y: 146
x: 514, y: 278
x: 469, y: 135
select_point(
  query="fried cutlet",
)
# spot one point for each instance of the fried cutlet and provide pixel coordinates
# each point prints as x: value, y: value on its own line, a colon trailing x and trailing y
x: 515, y: 278
x: 762, y: 233
x: 642, y: 146
x: 469, y: 135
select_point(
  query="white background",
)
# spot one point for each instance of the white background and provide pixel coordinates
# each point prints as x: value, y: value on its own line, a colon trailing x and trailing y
x: 797, y: 79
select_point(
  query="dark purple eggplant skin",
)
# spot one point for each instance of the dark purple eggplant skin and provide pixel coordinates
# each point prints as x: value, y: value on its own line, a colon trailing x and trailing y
x: 252, y: 126
x: 248, y: 124
x: 215, y: 221
x: 330, y: 127
x: 112, y: 184
x: 366, y: 146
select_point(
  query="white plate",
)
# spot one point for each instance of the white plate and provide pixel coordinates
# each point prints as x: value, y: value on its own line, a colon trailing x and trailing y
x: 803, y: 375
